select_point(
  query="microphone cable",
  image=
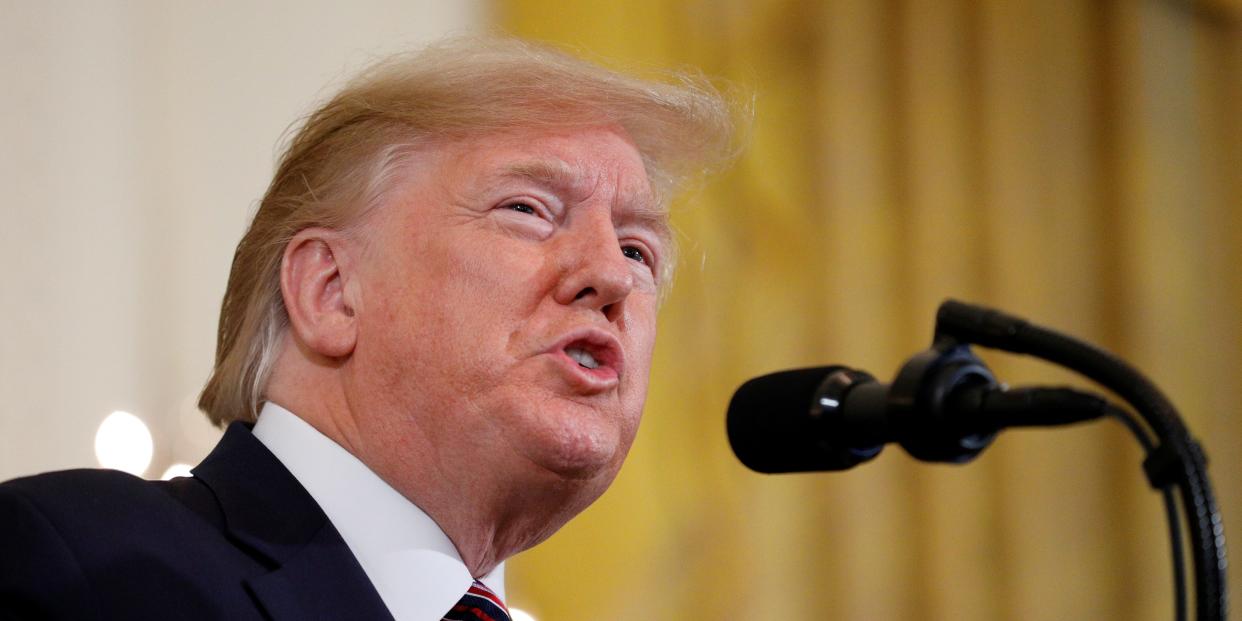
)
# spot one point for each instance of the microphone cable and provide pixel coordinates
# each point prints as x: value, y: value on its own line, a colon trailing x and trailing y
x: 1132, y: 424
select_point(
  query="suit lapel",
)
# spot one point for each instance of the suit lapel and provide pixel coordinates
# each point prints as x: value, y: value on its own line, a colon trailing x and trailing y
x: 267, y: 512
x: 299, y: 590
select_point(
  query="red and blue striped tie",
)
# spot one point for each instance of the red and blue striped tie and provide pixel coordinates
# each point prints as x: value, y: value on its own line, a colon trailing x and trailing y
x: 478, y: 604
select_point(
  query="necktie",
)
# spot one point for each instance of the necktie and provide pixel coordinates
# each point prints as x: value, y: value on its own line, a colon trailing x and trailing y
x: 478, y: 604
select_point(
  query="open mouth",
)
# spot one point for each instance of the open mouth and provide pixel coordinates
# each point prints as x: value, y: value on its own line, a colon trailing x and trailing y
x: 593, y: 353
x: 584, y: 358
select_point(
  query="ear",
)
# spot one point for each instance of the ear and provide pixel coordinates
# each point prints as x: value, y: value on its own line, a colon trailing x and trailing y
x: 312, y: 280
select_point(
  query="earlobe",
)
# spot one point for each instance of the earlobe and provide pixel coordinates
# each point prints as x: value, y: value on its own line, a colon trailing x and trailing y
x: 313, y: 283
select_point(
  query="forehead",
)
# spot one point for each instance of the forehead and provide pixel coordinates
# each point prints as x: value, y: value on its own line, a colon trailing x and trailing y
x: 577, y: 165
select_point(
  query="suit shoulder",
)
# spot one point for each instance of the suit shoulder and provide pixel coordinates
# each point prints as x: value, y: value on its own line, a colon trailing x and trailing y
x: 40, y: 574
x: 88, y: 500
x: 115, y: 543
x: 71, y: 481
x: 99, y: 492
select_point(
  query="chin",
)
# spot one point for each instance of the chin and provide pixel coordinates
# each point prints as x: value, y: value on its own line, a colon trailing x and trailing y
x: 577, y: 462
x: 577, y: 453
x: 566, y: 438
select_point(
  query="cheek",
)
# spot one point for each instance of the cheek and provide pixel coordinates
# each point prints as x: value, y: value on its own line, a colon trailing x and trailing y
x: 642, y: 333
x: 454, y: 309
x: 640, y: 330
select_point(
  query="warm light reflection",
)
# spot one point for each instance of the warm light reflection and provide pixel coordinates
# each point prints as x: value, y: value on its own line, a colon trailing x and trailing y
x: 177, y: 470
x: 124, y: 443
x: 520, y: 615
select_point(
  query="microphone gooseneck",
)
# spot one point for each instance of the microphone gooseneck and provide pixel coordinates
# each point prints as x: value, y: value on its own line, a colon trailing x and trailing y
x: 945, y: 406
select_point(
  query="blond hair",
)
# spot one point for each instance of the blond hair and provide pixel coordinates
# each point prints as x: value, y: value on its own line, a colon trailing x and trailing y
x: 349, y: 152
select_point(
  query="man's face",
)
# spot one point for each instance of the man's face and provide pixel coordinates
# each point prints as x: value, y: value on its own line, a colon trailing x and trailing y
x: 506, y: 312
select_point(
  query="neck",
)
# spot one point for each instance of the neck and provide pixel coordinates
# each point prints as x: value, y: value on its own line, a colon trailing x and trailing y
x: 486, y: 529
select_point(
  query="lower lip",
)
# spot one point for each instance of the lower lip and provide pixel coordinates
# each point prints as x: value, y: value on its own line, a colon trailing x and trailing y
x: 594, y: 380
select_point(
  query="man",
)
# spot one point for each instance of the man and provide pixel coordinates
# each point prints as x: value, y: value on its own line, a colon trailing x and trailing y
x: 442, y: 320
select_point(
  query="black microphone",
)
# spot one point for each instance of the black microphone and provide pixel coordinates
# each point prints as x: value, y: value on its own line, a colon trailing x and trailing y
x: 944, y: 406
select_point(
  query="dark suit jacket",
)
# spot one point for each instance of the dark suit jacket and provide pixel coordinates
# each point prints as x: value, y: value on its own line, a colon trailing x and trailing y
x: 241, y: 539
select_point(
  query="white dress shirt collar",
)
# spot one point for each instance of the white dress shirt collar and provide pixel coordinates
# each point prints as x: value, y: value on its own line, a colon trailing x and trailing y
x: 412, y: 563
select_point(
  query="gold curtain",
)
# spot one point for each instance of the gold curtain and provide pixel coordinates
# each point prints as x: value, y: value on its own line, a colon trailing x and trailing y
x: 1078, y: 163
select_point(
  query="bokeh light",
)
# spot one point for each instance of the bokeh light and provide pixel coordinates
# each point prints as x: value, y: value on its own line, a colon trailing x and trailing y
x: 176, y: 470
x: 123, y: 443
x: 520, y: 615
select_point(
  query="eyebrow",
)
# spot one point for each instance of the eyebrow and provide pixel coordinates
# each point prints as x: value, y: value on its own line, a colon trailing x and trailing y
x: 560, y: 176
x: 552, y: 173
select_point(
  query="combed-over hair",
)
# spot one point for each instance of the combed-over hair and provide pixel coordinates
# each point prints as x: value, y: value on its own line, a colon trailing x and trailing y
x: 349, y: 152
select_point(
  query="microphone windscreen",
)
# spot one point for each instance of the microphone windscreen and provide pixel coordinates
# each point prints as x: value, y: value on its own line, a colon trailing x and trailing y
x: 771, y: 428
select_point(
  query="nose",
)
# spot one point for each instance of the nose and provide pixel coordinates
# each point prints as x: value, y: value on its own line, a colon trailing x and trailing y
x: 595, y: 275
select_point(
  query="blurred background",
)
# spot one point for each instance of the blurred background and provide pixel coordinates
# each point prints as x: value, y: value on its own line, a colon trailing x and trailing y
x: 1075, y: 162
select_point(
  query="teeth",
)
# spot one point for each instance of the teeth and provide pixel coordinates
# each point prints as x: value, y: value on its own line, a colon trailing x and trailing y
x: 582, y: 357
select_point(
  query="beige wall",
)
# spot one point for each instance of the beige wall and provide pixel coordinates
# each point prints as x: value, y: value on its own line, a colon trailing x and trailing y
x: 135, y: 139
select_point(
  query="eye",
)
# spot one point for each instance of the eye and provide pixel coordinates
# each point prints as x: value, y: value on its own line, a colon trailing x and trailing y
x: 634, y: 253
x: 522, y: 208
